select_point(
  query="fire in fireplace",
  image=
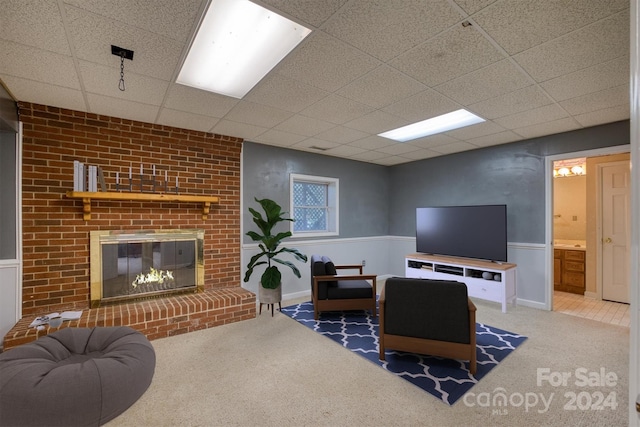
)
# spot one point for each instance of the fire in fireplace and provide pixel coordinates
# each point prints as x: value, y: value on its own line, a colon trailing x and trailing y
x: 129, y: 265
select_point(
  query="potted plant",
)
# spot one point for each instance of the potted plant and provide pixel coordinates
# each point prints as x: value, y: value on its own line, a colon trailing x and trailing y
x: 270, y: 290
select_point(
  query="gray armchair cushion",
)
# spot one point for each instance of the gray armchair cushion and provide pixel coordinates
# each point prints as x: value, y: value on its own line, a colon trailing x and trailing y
x: 349, y: 289
x: 420, y: 307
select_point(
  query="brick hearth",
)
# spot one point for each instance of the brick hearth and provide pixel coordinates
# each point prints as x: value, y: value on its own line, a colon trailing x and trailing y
x: 156, y: 318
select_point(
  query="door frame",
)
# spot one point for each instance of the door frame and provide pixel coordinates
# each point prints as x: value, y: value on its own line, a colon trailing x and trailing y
x: 618, y: 149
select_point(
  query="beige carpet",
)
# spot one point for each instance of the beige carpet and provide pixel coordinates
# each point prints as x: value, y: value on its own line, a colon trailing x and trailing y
x: 272, y: 371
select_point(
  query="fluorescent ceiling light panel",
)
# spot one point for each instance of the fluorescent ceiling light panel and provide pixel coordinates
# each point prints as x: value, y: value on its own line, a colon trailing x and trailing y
x: 446, y: 122
x: 237, y: 44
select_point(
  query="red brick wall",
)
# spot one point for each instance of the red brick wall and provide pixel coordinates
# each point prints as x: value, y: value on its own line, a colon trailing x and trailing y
x: 56, y: 238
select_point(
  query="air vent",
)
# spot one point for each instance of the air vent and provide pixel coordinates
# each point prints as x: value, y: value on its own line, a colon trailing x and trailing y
x: 315, y: 147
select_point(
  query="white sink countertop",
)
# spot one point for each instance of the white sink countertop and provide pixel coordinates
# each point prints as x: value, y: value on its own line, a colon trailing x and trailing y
x: 579, y: 245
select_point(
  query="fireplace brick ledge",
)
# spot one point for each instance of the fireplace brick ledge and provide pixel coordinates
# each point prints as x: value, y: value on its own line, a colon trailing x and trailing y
x: 157, y: 317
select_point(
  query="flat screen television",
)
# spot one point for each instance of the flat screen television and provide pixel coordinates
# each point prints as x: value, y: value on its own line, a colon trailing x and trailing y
x: 463, y: 231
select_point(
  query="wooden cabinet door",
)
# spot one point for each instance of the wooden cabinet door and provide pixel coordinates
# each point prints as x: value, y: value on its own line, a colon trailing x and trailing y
x: 557, y: 273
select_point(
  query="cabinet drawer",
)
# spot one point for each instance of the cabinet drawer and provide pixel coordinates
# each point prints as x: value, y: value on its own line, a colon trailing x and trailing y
x: 557, y: 253
x: 488, y: 290
x: 573, y: 279
x: 574, y: 266
x: 574, y: 255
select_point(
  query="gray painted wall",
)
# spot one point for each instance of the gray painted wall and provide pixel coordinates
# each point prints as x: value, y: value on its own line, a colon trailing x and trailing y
x: 364, y: 187
x: 512, y: 174
x: 377, y: 200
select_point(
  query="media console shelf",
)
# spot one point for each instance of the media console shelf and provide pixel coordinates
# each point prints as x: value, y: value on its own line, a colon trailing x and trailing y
x: 139, y: 197
x: 484, y: 279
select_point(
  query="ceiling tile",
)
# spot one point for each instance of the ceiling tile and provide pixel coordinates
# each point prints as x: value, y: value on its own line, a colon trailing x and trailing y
x: 454, y: 147
x: 391, y: 160
x: 38, y: 65
x: 34, y: 23
x: 451, y: 54
x: 277, y: 137
x: 45, y: 94
x: 337, y: 109
x: 420, y: 154
x: 488, y: 82
x: 287, y: 94
x: 341, y: 135
x: 543, y: 114
x: 514, y: 102
x: 371, y: 142
x: 367, y: 67
x: 316, y: 145
x: 495, y: 139
x: 258, y: 115
x: 473, y: 6
x: 519, y: 25
x: 376, y: 122
x: 240, y: 130
x: 474, y: 131
x: 177, y: 118
x: 597, y: 101
x: 99, y: 104
x: 593, y: 79
x: 368, y: 156
x: 310, y: 12
x: 549, y: 128
x: 154, y: 55
x: 433, y: 141
x: 422, y: 106
x: 345, y: 151
x: 321, y: 61
x: 192, y: 100
x: 385, y: 29
x: 397, y: 148
x: 599, y: 42
x: 381, y: 87
x: 302, y: 125
x: 104, y: 81
x: 608, y: 115
x: 168, y: 18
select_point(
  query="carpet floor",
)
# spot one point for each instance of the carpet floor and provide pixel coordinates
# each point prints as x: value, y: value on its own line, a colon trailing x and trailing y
x: 272, y: 371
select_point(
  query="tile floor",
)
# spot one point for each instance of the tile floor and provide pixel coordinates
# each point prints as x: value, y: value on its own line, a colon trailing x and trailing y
x: 603, y: 311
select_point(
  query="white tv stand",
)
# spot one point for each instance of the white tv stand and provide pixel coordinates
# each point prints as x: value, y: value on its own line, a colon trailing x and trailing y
x: 484, y: 279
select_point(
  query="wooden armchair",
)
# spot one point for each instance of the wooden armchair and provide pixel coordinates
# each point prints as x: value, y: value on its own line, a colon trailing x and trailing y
x: 333, y: 292
x: 434, y: 317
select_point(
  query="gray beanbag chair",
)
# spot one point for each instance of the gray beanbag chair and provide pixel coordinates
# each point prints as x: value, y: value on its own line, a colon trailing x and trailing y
x: 75, y: 377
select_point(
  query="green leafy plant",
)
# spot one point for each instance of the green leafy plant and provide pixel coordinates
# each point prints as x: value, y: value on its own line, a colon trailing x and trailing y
x: 270, y: 245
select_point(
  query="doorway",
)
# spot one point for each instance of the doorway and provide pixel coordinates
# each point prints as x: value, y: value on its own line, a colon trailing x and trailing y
x: 577, y: 245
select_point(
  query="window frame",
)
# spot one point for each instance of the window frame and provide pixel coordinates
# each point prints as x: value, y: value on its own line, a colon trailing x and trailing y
x: 333, y: 211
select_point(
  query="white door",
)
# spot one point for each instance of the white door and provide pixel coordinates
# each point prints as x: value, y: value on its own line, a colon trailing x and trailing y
x: 615, y: 231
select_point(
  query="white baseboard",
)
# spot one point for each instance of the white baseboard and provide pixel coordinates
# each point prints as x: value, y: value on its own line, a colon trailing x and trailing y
x: 531, y: 304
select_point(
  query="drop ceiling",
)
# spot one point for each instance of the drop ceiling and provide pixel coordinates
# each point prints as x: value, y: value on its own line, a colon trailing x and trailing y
x: 530, y: 68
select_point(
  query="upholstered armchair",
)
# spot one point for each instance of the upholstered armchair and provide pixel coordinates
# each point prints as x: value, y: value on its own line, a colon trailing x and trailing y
x: 331, y: 291
x: 434, y: 317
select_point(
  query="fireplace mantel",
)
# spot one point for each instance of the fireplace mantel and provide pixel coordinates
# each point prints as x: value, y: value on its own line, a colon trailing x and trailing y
x: 87, y: 196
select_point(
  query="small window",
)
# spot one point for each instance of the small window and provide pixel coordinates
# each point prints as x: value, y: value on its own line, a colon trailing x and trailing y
x: 314, y: 203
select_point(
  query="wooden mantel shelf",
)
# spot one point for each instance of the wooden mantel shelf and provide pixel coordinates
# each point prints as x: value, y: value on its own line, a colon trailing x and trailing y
x: 139, y: 197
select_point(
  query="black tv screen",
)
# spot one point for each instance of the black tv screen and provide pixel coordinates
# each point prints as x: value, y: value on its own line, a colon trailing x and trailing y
x: 463, y: 231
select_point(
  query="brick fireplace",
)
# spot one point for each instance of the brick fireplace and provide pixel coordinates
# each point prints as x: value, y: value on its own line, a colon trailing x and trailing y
x: 56, y: 238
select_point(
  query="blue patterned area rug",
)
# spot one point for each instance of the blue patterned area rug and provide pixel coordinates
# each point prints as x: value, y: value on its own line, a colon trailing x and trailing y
x: 446, y: 379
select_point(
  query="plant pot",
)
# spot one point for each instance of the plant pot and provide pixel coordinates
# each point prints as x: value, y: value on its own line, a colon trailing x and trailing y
x: 270, y: 296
